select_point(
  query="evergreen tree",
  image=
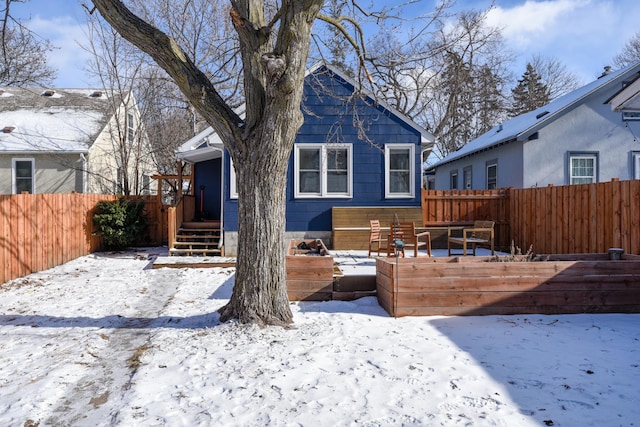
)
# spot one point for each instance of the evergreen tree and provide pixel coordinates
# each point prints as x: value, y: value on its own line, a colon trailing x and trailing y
x: 529, y: 94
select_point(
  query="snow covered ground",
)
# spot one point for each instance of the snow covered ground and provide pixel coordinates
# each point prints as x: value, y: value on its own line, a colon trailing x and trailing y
x: 106, y: 340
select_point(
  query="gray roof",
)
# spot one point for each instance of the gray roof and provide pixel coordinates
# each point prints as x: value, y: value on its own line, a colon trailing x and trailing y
x: 60, y: 120
x: 521, y: 127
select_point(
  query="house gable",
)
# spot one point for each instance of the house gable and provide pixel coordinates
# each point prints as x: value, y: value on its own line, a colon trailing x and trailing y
x: 536, y: 148
x: 335, y: 118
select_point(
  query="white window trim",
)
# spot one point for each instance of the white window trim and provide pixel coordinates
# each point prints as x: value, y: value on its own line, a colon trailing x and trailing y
x: 13, y: 172
x: 577, y: 156
x: 491, y: 165
x: 636, y: 165
x: 323, y: 194
x: 130, y: 127
x: 453, y: 174
x: 233, y: 189
x: 412, y: 171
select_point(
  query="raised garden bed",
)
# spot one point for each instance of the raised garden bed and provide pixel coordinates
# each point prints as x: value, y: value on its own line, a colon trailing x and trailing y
x: 309, y: 271
x: 589, y: 283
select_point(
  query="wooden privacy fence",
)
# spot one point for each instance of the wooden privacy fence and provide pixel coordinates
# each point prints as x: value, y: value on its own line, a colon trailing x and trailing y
x: 586, y: 218
x: 41, y: 231
x: 445, y: 208
x: 571, y: 219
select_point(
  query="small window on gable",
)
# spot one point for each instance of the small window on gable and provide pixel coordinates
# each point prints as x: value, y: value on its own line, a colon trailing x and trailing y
x: 23, y: 171
x: 399, y: 162
x: 468, y: 179
x: 629, y: 116
x: 130, y: 128
x: 583, y: 168
x: 636, y: 164
x: 453, y: 180
x: 492, y: 175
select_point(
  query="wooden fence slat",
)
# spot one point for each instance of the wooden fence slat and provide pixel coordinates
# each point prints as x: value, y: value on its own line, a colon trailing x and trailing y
x: 585, y: 218
x: 40, y: 231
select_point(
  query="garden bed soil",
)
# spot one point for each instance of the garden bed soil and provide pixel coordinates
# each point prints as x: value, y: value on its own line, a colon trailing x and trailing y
x: 564, y: 284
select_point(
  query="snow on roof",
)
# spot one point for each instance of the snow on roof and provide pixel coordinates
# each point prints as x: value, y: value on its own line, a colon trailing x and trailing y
x: 523, y: 126
x: 60, y: 120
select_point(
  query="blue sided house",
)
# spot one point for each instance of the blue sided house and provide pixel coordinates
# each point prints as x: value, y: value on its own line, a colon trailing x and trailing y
x: 352, y: 150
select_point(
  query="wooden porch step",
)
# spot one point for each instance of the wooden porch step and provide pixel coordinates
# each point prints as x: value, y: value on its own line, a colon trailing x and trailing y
x: 196, y: 231
x: 204, y: 252
x: 195, y: 244
x: 197, y: 236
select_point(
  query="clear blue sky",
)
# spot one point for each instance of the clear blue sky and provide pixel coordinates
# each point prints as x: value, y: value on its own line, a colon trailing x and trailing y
x: 583, y: 34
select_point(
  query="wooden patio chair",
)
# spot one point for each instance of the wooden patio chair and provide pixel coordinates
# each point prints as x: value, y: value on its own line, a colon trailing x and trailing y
x: 375, y: 237
x: 406, y: 231
x: 480, y: 234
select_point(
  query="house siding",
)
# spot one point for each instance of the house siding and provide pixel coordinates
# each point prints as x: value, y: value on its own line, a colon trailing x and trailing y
x: 581, y: 122
x: 590, y: 128
x: 510, y: 163
x: 327, y: 120
x: 53, y: 173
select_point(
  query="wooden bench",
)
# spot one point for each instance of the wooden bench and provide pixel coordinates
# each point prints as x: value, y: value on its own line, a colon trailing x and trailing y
x: 351, y: 226
x: 480, y: 234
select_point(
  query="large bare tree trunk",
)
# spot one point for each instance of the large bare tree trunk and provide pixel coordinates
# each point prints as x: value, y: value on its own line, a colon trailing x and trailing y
x: 259, y: 144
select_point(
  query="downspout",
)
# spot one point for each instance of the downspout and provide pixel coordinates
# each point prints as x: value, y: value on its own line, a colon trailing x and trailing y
x: 84, y: 173
x: 222, y: 175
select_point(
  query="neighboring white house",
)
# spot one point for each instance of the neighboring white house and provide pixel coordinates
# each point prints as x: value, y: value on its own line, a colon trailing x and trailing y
x: 589, y: 135
x: 64, y: 140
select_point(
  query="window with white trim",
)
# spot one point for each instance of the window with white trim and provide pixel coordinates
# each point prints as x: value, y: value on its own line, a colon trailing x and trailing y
x: 233, y: 181
x: 23, y: 171
x: 130, y: 128
x: 399, y: 168
x: 636, y: 164
x: 323, y: 170
x: 453, y: 180
x: 583, y: 168
x: 467, y: 178
x: 492, y: 176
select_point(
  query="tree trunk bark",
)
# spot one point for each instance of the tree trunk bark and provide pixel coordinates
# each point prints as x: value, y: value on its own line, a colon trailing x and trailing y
x: 259, y: 144
x: 260, y: 292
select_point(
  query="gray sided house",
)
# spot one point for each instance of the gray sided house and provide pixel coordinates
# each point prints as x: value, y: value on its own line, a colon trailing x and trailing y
x: 331, y: 164
x: 589, y: 135
x: 64, y: 140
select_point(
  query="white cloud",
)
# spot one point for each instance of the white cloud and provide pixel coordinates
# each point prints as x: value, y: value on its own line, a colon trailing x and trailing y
x: 64, y: 32
x: 527, y: 24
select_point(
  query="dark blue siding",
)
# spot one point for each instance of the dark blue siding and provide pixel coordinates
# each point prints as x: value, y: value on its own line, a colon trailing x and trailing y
x: 333, y: 116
